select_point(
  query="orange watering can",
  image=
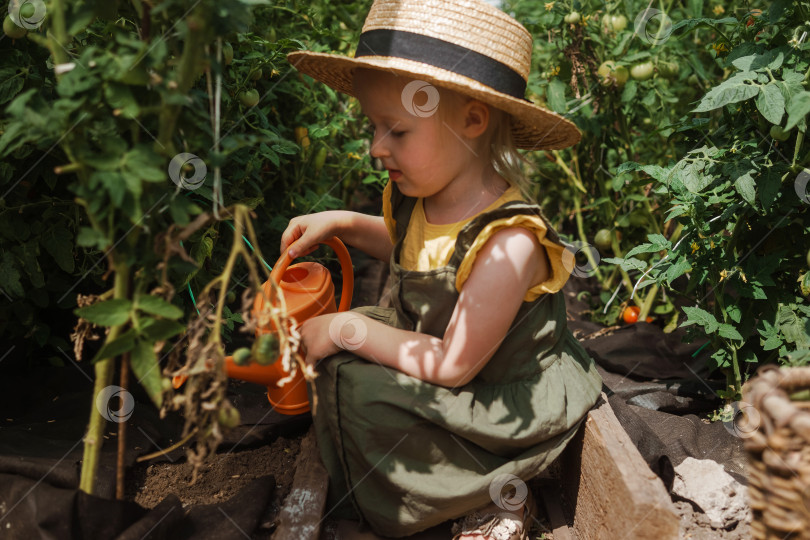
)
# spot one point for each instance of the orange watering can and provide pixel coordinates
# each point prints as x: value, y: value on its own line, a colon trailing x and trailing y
x: 308, y: 291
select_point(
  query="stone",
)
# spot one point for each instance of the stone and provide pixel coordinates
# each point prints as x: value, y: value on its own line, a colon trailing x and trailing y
x: 705, y: 483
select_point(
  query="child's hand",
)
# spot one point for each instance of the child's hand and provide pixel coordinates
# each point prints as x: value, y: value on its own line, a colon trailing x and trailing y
x: 316, y: 342
x: 308, y: 231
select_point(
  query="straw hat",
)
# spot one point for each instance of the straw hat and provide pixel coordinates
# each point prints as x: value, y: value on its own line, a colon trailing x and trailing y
x: 465, y: 45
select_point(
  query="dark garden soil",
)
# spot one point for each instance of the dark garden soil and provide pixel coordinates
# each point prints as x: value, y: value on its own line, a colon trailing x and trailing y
x: 219, y: 479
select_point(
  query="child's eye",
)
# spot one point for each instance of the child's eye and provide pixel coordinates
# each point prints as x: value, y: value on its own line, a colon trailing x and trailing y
x: 398, y: 133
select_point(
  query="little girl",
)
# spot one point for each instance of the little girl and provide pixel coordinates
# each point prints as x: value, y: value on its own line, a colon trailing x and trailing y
x: 471, y: 382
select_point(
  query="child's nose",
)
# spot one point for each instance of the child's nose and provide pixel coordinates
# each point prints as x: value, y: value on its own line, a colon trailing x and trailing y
x: 379, y: 146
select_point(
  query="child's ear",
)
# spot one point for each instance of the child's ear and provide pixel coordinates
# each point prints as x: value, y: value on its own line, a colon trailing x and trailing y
x: 476, y: 118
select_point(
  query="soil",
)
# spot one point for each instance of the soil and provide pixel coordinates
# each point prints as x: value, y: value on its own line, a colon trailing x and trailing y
x: 219, y: 479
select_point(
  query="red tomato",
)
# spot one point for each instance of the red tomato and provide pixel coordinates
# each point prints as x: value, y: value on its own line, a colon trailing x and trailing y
x: 630, y: 314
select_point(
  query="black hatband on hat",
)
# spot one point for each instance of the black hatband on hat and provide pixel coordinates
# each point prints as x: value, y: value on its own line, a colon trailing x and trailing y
x: 442, y: 54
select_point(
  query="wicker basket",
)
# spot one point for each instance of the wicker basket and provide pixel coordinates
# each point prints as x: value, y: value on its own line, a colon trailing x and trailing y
x: 776, y: 433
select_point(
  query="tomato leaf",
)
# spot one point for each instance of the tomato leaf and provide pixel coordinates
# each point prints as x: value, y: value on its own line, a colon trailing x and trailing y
x: 759, y: 62
x: 771, y: 103
x: 10, y: 276
x: 10, y: 84
x: 701, y: 317
x: 739, y: 87
x: 145, y: 366
x: 792, y: 327
x: 116, y: 347
x: 797, y: 109
x: 59, y: 244
x: 769, y: 182
x: 728, y: 331
x: 107, y: 313
x: 158, y: 306
x: 677, y: 269
x: 159, y: 330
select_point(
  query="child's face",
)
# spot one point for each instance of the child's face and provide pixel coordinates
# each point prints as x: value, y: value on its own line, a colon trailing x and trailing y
x: 423, y: 149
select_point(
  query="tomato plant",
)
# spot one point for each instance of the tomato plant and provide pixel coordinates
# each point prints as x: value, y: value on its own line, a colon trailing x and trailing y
x: 109, y: 112
x: 584, y: 72
x: 739, y: 196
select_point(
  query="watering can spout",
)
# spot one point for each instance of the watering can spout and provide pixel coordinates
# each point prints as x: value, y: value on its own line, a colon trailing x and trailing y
x: 308, y: 291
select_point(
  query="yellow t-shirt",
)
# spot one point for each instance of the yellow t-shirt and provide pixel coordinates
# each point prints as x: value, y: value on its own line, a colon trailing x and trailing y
x: 428, y: 246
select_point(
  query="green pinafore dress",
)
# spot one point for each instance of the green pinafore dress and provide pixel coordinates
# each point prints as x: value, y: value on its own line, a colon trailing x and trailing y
x: 404, y: 454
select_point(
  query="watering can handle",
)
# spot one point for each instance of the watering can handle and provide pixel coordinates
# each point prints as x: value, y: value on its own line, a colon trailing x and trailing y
x: 345, y: 265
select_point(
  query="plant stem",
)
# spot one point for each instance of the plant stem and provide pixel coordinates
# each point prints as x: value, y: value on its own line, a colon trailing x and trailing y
x: 799, y: 142
x: 59, y: 38
x: 646, y: 305
x: 104, y: 372
x: 584, y: 239
x: 577, y: 182
x: 736, y: 365
x: 120, y: 473
x: 190, y: 61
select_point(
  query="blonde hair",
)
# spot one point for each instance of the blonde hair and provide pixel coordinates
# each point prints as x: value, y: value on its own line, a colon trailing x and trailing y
x: 506, y: 159
x: 504, y: 155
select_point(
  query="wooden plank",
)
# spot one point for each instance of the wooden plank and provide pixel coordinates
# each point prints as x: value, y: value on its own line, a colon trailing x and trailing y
x: 556, y: 517
x: 301, y: 515
x: 614, y: 492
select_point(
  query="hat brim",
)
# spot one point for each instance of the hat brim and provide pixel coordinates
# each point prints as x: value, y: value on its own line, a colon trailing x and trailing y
x: 533, y: 127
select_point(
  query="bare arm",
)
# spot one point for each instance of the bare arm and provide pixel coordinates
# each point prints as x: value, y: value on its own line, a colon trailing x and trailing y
x: 513, y: 259
x: 366, y: 233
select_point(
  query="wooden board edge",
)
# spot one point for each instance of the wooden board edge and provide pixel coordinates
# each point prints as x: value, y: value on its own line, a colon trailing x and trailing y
x: 611, y: 488
x: 301, y: 515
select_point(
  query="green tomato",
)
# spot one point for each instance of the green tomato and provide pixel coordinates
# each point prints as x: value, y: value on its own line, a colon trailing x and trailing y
x: 27, y: 10
x: 612, y: 74
x: 668, y: 70
x: 808, y: 257
x: 603, y: 240
x: 249, y: 98
x: 265, y: 349
x: 12, y: 30
x: 694, y: 81
x: 614, y: 23
x: 779, y: 134
x: 618, y: 22
x: 241, y: 356
x: 256, y: 75
x: 572, y: 18
x: 229, y: 417
x: 642, y: 71
x: 227, y: 53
